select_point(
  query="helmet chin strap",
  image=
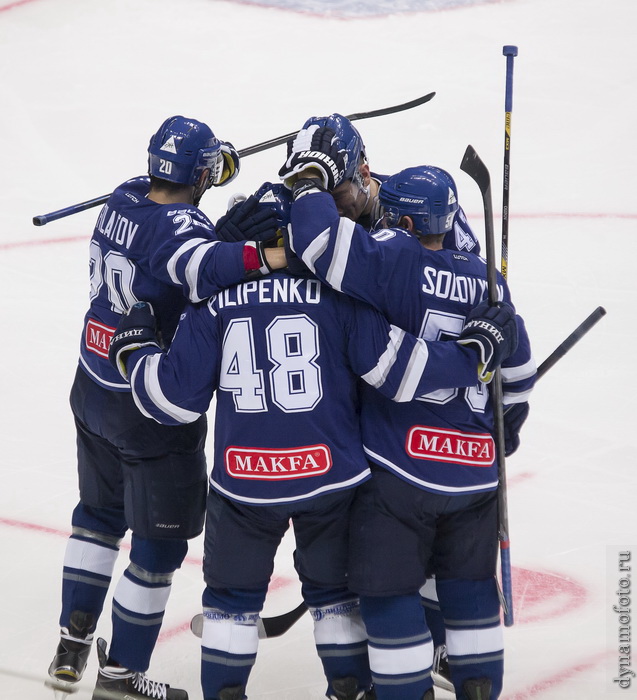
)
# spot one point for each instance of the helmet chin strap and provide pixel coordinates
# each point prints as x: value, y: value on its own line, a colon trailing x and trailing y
x: 365, y: 189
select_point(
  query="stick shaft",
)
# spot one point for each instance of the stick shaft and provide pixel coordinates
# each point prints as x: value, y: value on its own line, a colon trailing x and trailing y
x: 473, y: 166
x: 572, y: 339
x: 42, y: 219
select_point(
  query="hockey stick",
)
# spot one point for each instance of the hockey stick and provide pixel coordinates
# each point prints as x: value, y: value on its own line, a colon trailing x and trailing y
x: 510, y: 52
x: 267, y: 626
x: 477, y: 170
x: 43, y: 219
x: 567, y: 345
x: 572, y: 339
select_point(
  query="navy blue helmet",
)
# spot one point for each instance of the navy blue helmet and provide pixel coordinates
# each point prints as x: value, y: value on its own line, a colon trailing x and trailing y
x: 426, y: 194
x: 277, y: 197
x: 182, y: 149
x: 347, y: 134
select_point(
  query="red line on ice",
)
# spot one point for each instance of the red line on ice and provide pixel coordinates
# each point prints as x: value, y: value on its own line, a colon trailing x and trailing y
x: 12, y: 5
x: 557, y: 679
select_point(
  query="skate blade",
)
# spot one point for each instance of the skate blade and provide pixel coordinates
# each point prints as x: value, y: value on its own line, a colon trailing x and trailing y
x: 60, y: 688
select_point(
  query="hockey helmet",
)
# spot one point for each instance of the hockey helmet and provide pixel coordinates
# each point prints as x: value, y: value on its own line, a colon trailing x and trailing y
x: 182, y: 149
x: 426, y: 194
x: 277, y: 197
x: 351, y: 141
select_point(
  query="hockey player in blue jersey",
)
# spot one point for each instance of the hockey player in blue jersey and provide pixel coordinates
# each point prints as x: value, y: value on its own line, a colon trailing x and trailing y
x: 356, y: 198
x: 284, y: 355
x: 434, y: 482
x: 151, y: 241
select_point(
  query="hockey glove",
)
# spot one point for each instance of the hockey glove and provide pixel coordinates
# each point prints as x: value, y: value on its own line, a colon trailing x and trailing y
x: 493, y: 332
x: 230, y: 164
x: 317, y: 148
x: 247, y: 221
x: 514, y: 417
x: 136, y: 329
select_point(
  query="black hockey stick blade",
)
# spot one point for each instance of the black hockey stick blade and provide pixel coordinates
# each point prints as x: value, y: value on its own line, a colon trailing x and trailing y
x: 265, y: 145
x: 475, y: 168
x: 267, y: 626
x: 279, y: 624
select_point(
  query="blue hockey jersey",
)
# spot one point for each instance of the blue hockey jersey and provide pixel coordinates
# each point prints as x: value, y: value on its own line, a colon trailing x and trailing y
x: 443, y: 440
x: 284, y: 355
x: 161, y: 253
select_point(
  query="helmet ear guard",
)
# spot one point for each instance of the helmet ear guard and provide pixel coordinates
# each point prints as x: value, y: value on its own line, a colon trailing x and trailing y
x: 182, y: 149
x: 426, y: 194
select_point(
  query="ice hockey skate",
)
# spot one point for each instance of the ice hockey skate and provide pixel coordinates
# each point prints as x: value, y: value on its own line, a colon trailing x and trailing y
x: 347, y: 689
x: 477, y: 689
x: 234, y: 693
x: 117, y: 683
x: 73, y: 650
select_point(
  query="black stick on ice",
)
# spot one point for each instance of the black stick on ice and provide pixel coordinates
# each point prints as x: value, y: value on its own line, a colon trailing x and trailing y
x: 267, y: 626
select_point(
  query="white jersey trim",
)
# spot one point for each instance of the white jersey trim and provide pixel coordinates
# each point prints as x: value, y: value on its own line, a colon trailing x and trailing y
x: 103, y: 382
x: 439, y: 488
x: 377, y: 376
x: 153, y: 388
x: 350, y: 483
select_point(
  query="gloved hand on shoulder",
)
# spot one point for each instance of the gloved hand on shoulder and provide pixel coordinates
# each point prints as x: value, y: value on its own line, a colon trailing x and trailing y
x: 318, y: 148
x: 247, y: 221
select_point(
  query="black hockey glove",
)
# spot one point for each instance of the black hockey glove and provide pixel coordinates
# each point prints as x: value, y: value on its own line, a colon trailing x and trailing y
x: 493, y: 331
x: 317, y: 148
x: 514, y: 417
x: 247, y: 221
x: 136, y: 329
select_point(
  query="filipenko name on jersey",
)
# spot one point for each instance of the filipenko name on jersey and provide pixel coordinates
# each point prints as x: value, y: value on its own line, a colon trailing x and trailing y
x: 271, y: 290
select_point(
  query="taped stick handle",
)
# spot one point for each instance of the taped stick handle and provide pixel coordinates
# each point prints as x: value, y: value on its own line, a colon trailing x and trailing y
x: 43, y: 219
x: 510, y: 52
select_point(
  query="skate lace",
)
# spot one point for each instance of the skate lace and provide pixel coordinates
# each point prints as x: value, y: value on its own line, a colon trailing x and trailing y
x: 440, y: 654
x: 152, y: 689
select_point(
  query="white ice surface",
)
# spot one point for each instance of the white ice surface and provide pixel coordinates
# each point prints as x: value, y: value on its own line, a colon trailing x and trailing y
x: 84, y: 84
